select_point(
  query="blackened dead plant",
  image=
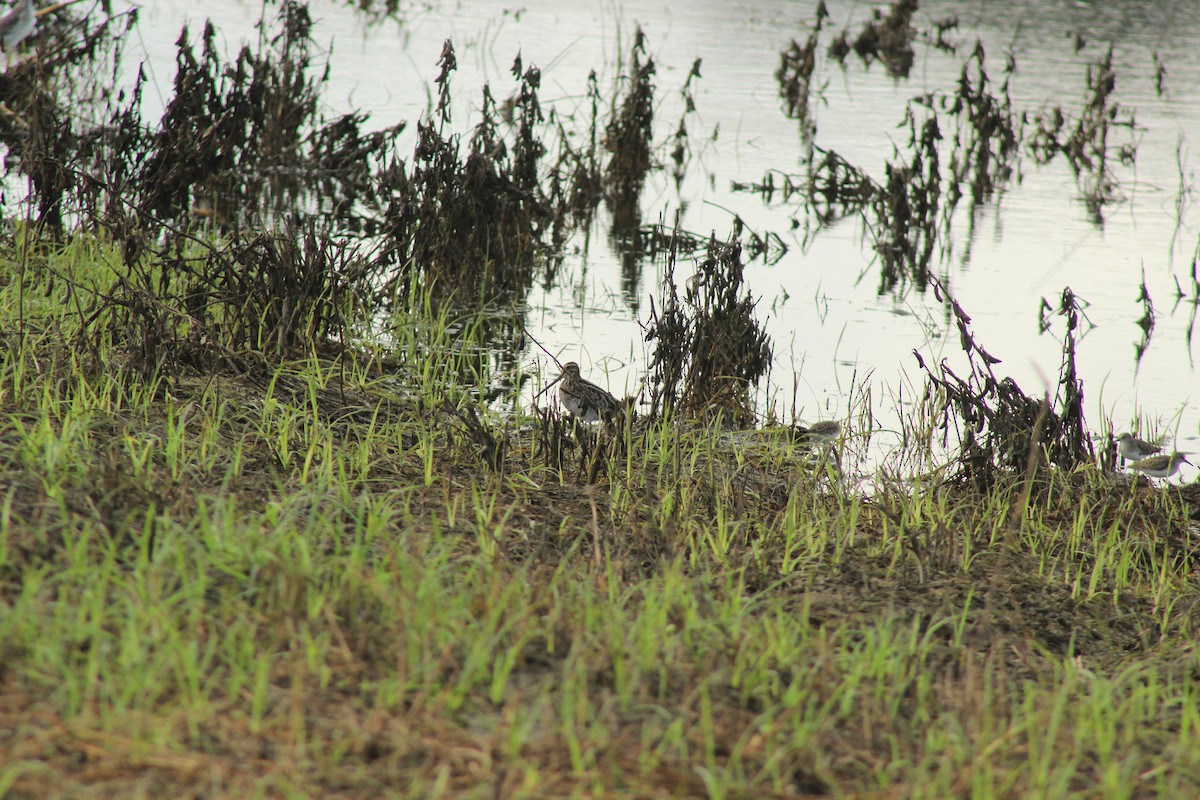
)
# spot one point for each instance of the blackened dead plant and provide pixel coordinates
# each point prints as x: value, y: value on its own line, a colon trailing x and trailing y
x: 1000, y: 429
x: 901, y: 214
x: 41, y: 127
x: 230, y: 131
x: 290, y: 290
x: 238, y: 143
x: 488, y: 445
x: 987, y: 131
x: 272, y: 295
x: 796, y: 65
x: 580, y: 170
x: 832, y: 188
x: 1085, y: 141
x: 886, y: 38
x: 709, y: 349
x: 681, y: 149
x: 472, y: 225
x: 906, y: 208
x: 909, y: 213
x: 627, y: 138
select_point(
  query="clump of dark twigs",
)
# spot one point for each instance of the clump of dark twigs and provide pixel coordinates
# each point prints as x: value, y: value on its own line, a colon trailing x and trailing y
x: 470, y: 223
x: 627, y: 137
x: 273, y: 294
x: 212, y: 260
x: 709, y: 349
x: 245, y: 222
x: 885, y: 37
x: 1001, y: 429
x: 796, y: 65
x: 906, y: 209
x: 1085, y: 141
x: 966, y: 143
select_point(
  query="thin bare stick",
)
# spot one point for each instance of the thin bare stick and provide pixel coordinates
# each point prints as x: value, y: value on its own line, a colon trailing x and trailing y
x: 547, y: 352
x: 56, y: 7
x: 539, y: 344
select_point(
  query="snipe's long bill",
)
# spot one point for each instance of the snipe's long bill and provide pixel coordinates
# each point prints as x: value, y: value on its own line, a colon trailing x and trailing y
x: 583, y: 399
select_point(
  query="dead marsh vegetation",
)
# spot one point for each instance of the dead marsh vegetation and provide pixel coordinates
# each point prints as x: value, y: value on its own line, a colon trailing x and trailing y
x: 245, y: 547
x: 964, y: 144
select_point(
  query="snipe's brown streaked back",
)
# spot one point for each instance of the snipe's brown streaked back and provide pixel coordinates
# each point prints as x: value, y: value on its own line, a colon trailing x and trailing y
x: 584, y: 399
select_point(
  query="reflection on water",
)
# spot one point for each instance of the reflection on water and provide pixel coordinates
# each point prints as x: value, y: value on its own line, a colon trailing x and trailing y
x: 1120, y: 231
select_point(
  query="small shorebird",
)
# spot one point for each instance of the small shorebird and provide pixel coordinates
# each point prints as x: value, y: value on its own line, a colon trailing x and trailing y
x: 823, y: 432
x: 1132, y: 448
x: 16, y: 25
x: 584, y: 399
x: 1160, y: 466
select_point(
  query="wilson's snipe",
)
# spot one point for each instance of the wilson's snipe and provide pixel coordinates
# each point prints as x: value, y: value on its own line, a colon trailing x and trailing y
x: 585, y: 400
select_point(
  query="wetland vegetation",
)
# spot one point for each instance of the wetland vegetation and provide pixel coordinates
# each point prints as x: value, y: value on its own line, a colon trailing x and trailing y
x: 266, y: 531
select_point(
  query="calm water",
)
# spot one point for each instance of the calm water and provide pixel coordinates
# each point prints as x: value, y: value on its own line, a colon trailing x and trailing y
x: 835, y: 336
